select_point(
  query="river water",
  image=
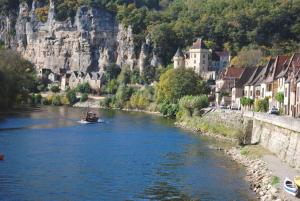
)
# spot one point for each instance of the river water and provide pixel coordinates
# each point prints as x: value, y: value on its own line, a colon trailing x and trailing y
x: 132, y: 156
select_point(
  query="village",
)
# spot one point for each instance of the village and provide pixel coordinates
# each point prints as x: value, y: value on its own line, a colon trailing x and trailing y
x: 277, y: 84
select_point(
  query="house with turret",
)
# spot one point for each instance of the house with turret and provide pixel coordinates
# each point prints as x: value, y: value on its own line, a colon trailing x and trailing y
x: 198, y: 58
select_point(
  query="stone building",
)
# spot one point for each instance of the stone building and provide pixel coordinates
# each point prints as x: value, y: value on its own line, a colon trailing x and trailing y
x: 196, y: 58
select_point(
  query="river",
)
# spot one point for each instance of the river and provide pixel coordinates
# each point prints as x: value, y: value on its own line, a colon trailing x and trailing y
x: 132, y: 156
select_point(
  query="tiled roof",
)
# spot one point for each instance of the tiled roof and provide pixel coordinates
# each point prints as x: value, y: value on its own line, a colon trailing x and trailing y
x: 264, y: 72
x: 252, y: 80
x: 232, y: 73
x: 246, y: 75
x: 199, y: 44
x: 279, y: 64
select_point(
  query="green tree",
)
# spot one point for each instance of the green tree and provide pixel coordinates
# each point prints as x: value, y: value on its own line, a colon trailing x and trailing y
x: 279, y: 97
x: 193, y: 104
x: 176, y: 83
x: 17, y: 78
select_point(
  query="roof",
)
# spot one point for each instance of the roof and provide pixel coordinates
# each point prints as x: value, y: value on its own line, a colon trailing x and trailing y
x: 232, y: 73
x: 292, y: 65
x: 223, y: 53
x: 246, y: 75
x: 199, y: 44
x: 254, y: 76
x: 264, y: 73
x: 278, y: 65
x: 179, y: 53
x: 95, y: 75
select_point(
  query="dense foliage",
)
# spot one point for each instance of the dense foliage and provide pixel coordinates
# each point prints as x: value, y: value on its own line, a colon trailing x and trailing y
x: 176, y: 83
x: 270, y: 25
x: 192, y: 105
x: 262, y: 105
x: 17, y: 77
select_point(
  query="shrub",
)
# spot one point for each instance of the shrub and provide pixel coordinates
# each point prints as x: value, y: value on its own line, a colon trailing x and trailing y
x: 65, y: 100
x: 55, y: 89
x: 123, y: 94
x: 56, y: 100
x: 111, y: 87
x: 84, y: 97
x: 262, y: 105
x: 47, y: 100
x: 83, y: 88
x: 193, y: 104
x: 106, y: 102
x: 246, y: 101
x: 279, y: 97
x: 71, y: 96
x: 169, y: 110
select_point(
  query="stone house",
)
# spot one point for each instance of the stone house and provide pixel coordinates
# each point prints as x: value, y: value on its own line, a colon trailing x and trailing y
x: 196, y: 58
x: 75, y: 79
x: 287, y: 77
x: 53, y: 77
x: 271, y: 83
x: 94, y: 79
x: 238, y: 88
x: 249, y: 86
x: 220, y: 60
x: 64, y: 82
x: 225, y: 83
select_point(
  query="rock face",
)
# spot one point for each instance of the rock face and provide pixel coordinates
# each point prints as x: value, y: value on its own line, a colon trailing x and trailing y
x: 94, y: 40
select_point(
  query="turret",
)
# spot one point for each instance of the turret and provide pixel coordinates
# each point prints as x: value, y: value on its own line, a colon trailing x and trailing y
x: 179, y: 60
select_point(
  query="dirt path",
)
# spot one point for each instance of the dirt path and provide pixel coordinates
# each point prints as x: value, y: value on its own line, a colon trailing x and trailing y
x: 281, y: 170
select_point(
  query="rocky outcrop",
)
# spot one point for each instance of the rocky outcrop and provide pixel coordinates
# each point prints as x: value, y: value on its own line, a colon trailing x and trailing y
x: 91, y: 41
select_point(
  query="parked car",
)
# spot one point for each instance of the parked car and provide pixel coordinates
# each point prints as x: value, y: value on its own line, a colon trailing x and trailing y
x: 274, y: 110
x: 234, y: 107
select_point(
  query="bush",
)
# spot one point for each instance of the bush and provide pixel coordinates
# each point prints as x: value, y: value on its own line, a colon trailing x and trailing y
x: 47, y: 100
x: 106, y: 102
x: 84, y: 97
x: 246, y: 101
x: 279, y: 97
x: 56, y: 100
x: 193, y: 104
x: 71, y: 96
x: 55, y: 89
x: 169, y: 110
x: 83, y: 88
x: 262, y: 105
x: 65, y: 101
x: 111, y: 87
x: 123, y: 95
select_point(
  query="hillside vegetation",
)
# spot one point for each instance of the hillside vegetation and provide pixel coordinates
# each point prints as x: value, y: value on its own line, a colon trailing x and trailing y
x: 273, y: 26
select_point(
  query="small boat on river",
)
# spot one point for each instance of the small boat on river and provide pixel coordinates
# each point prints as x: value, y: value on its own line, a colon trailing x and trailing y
x: 290, y: 187
x: 1, y: 157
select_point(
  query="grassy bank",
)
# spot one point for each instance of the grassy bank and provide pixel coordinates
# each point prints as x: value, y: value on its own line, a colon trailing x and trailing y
x: 214, y: 123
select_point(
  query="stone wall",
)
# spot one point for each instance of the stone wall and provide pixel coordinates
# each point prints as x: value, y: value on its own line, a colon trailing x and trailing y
x: 280, y: 135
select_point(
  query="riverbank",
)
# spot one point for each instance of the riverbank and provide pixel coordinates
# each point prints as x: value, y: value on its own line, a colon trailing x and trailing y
x: 265, y: 180
x: 95, y: 104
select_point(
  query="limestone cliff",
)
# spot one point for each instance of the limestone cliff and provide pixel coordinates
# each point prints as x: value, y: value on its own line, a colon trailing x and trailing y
x: 93, y: 40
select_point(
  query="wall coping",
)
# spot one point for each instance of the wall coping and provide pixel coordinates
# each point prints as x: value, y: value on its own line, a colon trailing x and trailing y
x: 289, y: 123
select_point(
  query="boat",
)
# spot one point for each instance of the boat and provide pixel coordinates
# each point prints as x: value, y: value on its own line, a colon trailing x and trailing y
x: 290, y: 187
x: 1, y: 157
x: 297, y: 180
x: 90, y: 117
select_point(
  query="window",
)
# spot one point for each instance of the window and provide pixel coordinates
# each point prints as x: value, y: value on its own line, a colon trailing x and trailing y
x: 251, y: 93
x: 195, y: 55
x: 203, y: 62
x: 194, y: 61
x: 263, y: 93
x: 203, y: 56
